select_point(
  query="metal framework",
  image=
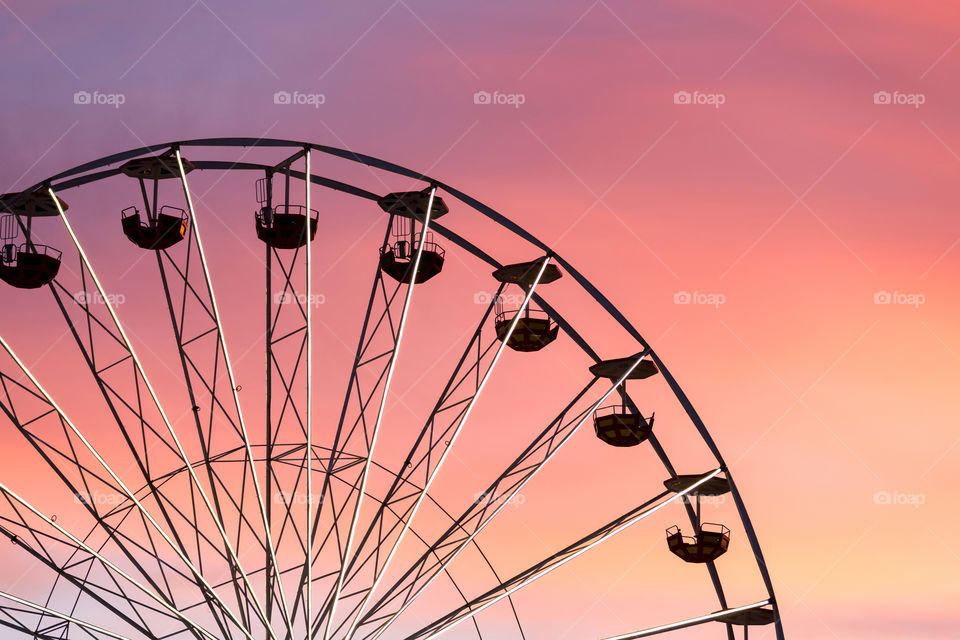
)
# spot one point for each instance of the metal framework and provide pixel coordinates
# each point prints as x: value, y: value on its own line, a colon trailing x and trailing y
x: 217, y: 533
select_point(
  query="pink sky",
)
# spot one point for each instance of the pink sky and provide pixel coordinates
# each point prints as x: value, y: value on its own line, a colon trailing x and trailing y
x: 797, y: 200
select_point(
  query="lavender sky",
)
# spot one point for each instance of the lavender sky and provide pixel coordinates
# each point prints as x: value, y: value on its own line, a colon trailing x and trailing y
x: 787, y: 168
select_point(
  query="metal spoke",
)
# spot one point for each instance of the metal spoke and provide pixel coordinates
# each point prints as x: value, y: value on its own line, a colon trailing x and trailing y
x: 173, y: 435
x: 222, y: 342
x: 555, y: 561
x: 308, y: 608
x: 154, y: 596
x: 446, y: 451
x: 122, y: 486
x: 433, y: 436
x: 364, y: 476
x: 492, y: 495
x: 690, y: 622
x: 34, y: 544
x: 62, y: 616
x: 82, y: 487
x: 346, y: 430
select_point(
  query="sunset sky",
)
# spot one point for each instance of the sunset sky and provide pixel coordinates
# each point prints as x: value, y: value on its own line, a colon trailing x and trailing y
x: 766, y: 190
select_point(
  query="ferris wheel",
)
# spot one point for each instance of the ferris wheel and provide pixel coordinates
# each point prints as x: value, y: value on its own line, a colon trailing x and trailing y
x: 237, y: 512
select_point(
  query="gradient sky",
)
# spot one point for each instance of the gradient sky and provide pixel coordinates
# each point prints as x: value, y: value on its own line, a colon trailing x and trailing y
x: 800, y: 201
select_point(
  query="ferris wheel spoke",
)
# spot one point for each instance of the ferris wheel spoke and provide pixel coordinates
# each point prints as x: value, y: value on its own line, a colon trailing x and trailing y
x: 8, y: 620
x: 578, y: 339
x: 556, y: 560
x: 214, y: 310
x: 37, y: 546
x: 191, y: 368
x: 349, y: 428
x: 404, y: 492
x: 308, y: 609
x: 500, y: 493
x: 451, y: 434
x: 658, y: 449
x: 413, y: 270
x: 63, y: 457
x: 724, y: 615
x: 465, y: 528
x: 234, y: 560
x: 162, y: 600
x: 424, y: 542
x: 124, y: 490
x: 87, y: 626
x: 289, y: 371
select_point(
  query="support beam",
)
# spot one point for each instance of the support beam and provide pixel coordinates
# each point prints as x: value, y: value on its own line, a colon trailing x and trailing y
x: 448, y: 448
x: 491, y: 497
x: 557, y: 560
x: 160, y: 409
x: 690, y: 622
x: 122, y: 486
x: 191, y: 625
x: 308, y: 605
x: 365, y: 474
x: 222, y: 343
x: 62, y: 616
